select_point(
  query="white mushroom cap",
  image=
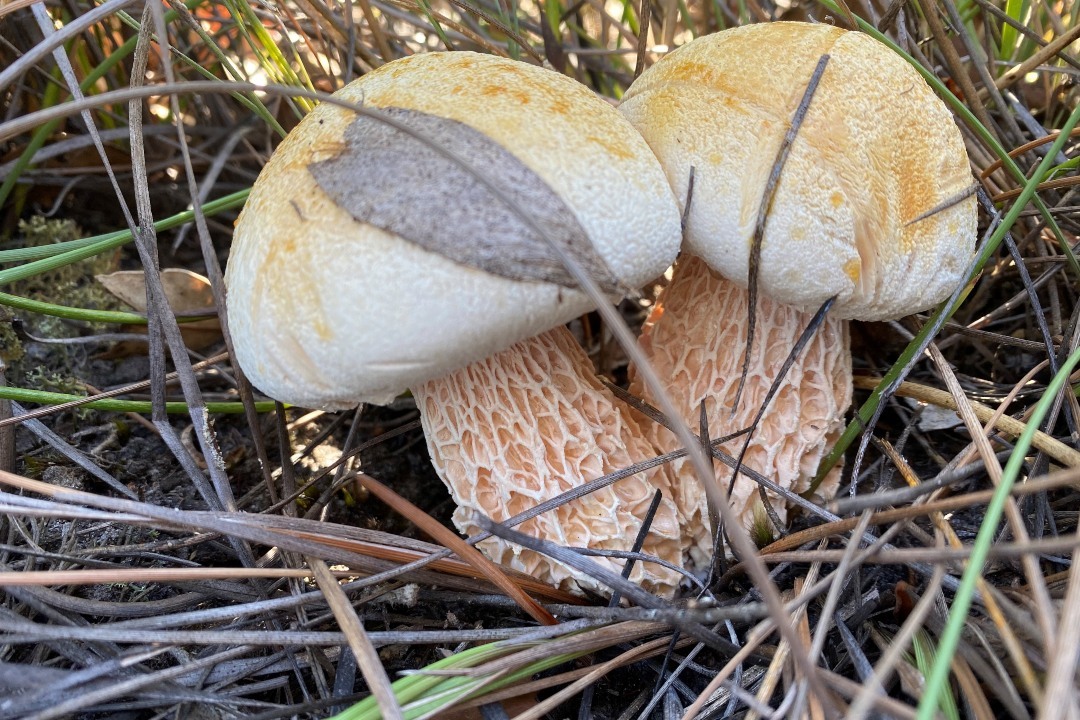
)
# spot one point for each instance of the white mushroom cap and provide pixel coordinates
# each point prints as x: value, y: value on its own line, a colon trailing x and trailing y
x: 330, y: 305
x: 876, y: 151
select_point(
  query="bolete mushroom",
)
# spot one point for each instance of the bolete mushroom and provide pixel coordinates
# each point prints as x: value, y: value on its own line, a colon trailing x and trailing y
x: 410, y: 245
x: 870, y: 208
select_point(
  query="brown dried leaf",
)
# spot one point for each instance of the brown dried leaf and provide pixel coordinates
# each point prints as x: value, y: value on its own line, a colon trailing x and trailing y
x: 188, y: 294
x: 390, y: 179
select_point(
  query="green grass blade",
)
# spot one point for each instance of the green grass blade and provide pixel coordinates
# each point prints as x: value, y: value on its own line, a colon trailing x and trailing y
x: 429, y: 14
x: 117, y: 317
x: 107, y: 65
x: 37, y: 141
x: 950, y: 638
x: 41, y: 397
x: 1010, y: 36
x: 50, y: 257
x: 414, y: 686
x: 251, y: 100
x: 422, y: 694
x: 266, y: 49
x: 922, y: 646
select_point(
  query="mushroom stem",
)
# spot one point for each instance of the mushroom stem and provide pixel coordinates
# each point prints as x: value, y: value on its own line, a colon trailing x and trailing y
x: 696, y: 339
x: 532, y: 422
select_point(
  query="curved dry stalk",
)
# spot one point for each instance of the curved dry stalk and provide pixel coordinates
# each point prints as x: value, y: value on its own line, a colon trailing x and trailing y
x: 942, y: 398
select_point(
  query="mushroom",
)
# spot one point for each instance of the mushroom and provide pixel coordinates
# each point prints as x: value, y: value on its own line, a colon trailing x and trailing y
x: 872, y: 208
x: 370, y: 258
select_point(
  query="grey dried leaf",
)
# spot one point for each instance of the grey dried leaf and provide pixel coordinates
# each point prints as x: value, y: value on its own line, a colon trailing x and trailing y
x: 400, y: 184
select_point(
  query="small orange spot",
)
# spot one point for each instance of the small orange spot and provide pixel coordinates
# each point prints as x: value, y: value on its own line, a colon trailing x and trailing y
x: 274, y: 253
x: 689, y: 72
x: 322, y: 329
x: 853, y: 269
x: 560, y: 107
x: 617, y: 149
x: 494, y: 90
x: 837, y: 199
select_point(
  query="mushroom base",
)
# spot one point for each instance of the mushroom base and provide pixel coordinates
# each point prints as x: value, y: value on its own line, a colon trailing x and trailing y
x: 530, y: 423
x: 695, y: 338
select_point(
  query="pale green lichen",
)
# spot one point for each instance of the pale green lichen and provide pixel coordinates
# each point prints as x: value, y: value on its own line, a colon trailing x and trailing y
x: 71, y: 285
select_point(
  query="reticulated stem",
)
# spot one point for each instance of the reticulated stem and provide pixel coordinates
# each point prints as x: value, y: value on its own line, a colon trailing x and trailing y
x: 696, y: 340
x: 529, y: 423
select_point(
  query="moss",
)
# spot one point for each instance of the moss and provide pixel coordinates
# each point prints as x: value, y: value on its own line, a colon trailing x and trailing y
x: 11, y: 348
x: 71, y: 285
x: 54, y: 366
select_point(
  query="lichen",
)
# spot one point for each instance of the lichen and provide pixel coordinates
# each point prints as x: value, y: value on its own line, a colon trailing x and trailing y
x: 53, y: 367
x: 71, y: 285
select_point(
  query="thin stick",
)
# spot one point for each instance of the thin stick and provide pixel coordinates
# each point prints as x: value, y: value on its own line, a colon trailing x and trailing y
x: 367, y: 658
x: 447, y: 537
x: 763, y: 217
x: 1046, y: 443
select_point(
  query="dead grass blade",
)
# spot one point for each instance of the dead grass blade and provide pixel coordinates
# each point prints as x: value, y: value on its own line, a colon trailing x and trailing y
x: 370, y: 665
x: 122, y: 688
x: 942, y: 398
x: 1060, y: 682
x: 873, y: 687
x: 1040, y: 56
x: 266, y: 530
x: 444, y: 564
x: 1025, y: 148
x: 1055, y: 184
x: 1046, y: 615
x: 170, y: 584
x: 143, y: 575
x: 447, y: 537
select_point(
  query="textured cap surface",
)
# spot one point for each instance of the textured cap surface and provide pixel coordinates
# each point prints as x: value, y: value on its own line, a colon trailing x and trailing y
x: 351, y: 276
x: 876, y: 151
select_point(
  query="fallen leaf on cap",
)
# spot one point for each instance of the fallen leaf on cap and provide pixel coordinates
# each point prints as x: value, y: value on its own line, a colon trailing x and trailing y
x: 427, y: 198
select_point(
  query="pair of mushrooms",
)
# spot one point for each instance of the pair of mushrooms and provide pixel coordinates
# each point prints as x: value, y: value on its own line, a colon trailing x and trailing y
x: 419, y: 244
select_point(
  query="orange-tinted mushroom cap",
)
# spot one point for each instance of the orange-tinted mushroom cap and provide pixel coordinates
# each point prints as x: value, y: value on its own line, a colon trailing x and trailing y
x: 871, y: 206
x: 367, y: 261
x: 858, y: 212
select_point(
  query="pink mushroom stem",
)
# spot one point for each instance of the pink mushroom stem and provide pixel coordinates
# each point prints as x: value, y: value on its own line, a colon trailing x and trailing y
x: 529, y: 423
x: 696, y: 338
